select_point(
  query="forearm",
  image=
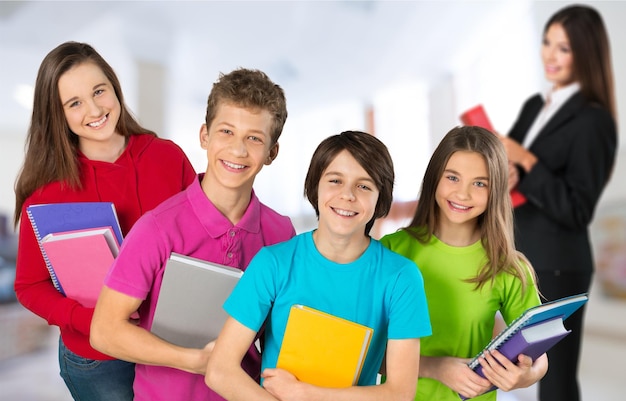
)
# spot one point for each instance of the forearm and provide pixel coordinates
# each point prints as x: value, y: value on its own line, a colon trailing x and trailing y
x: 126, y: 341
x: 234, y: 384
x: 385, y: 391
x: 431, y: 367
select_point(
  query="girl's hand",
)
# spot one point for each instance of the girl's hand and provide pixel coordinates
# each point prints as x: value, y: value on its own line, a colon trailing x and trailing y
x: 456, y: 375
x: 507, y: 375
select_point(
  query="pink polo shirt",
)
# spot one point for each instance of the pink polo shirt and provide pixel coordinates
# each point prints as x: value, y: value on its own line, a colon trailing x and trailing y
x: 189, y: 224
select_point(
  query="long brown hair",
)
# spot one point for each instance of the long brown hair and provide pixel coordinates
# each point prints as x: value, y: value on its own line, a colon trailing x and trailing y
x: 51, y: 148
x: 591, y: 53
x: 496, y: 223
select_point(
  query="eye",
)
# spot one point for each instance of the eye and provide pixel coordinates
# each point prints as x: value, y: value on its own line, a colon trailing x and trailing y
x: 98, y: 92
x: 226, y: 131
x: 74, y: 104
x: 481, y: 184
x: 453, y: 178
x: 255, y: 139
x: 365, y: 187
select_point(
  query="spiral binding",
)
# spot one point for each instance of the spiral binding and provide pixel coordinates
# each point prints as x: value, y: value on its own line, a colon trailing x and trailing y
x: 501, y: 338
x: 53, y: 275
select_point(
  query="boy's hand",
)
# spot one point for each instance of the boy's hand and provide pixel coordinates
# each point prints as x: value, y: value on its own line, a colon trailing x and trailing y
x: 282, y: 384
x: 202, y: 359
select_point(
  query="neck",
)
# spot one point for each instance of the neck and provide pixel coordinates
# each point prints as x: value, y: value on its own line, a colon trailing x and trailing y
x: 108, y: 151
x: 232, y: 203
x: 340, y: 249
x: 458, y: 234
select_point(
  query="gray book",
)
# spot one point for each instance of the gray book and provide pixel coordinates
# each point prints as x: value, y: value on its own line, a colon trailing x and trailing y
x: 189, y: 310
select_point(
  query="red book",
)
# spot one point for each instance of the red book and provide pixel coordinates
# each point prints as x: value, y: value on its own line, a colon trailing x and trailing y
x: 477, y: 116
x: 81, y: 260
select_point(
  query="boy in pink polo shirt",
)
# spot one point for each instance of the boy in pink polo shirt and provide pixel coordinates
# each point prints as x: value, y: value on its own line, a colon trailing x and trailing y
x: 217, y: 218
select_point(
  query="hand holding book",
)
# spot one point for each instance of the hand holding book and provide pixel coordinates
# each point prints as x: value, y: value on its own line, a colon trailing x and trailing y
x: 533, y: 333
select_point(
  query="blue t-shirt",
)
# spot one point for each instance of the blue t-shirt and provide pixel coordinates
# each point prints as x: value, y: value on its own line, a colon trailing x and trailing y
x: 380, y: 289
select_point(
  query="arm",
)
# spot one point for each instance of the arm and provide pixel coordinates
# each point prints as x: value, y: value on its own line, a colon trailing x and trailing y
x: 455, y: 374
x: 402, y: 366
x: 573, y: 164
x: 508, y: 376
x: 224, y: 373
x: 114, y: 333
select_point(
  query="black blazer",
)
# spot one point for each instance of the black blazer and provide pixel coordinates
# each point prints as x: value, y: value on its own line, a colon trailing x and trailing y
x: 576, y: 153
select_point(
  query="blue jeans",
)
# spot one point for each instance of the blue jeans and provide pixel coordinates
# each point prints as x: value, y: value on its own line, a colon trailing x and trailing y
x: 94, y: 380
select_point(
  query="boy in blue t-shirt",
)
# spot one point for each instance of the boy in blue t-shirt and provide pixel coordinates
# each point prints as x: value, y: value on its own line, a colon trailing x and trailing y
x: 337, y: 269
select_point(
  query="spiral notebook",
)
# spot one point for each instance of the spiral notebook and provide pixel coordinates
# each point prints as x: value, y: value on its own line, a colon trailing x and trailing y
x: 534, y: 332
x: 560, y: 308
x: 51, y: 218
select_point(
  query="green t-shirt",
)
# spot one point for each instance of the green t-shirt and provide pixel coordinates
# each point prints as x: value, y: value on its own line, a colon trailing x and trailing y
x: 462, y: 318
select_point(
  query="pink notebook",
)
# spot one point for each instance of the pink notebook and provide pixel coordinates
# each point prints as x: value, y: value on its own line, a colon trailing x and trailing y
x: 81, y: 260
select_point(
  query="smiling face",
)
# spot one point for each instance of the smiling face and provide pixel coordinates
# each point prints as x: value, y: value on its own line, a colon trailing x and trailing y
x: 347, y: 198
x: 90, y: 105
x: 557, y: 56
x: 238, y: 144
x: 463, y: 190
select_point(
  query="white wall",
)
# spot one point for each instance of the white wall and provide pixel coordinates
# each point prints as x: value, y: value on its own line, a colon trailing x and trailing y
x: 500, y: 70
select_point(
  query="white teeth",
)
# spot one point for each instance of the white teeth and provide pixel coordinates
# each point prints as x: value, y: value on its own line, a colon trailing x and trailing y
x: 344, y: 212
x: 96, y: 124
x: 459, y: 206
x: 232, y: 165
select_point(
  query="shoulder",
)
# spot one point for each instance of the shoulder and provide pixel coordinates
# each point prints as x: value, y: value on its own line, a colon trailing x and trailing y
x: 171, y: 207
x: 533, y: 103
x: 145, y: 143
x: 395, y: 238
x: 395, y: 263
x: 277, y: 222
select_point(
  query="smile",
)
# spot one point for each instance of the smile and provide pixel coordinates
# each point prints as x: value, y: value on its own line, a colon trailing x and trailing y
x: 98, y: 123
x: 459, y: 207
x: 233, y: 165
x: 345, y: 213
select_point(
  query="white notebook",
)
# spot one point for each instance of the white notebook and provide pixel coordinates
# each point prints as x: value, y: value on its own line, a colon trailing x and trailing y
x: 189, y: 310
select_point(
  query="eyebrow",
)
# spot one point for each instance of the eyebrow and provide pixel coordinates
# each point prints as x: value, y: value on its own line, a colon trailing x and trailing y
x: 364, y: 178
x: 449, y: 170
x: 76, y: 97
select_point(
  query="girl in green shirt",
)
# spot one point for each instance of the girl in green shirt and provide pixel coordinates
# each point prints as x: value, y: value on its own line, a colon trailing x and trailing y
x: 461, y: 238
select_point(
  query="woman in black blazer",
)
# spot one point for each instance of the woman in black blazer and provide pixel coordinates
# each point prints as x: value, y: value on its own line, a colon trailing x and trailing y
x: 562, y: 151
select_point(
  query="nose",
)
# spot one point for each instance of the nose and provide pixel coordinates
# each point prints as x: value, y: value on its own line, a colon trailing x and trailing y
x: 239, y: 148
x: 94, y: 108
x: 347, y: 193
x: 463, y: 192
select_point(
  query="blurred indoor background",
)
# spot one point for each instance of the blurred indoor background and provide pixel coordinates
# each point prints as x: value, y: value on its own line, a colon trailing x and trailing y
x: 402, y: 70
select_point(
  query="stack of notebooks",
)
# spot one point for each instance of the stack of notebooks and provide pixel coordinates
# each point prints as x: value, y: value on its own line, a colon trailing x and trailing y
x: 78, y: 241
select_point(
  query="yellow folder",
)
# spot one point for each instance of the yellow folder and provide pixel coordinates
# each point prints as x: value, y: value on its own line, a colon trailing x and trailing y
x: 322, y: 349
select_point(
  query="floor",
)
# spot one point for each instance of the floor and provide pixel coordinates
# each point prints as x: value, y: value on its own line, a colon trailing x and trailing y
x: 33, y: 376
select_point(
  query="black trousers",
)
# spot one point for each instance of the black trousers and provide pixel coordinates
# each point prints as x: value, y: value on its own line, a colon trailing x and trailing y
x: 561, y: 381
